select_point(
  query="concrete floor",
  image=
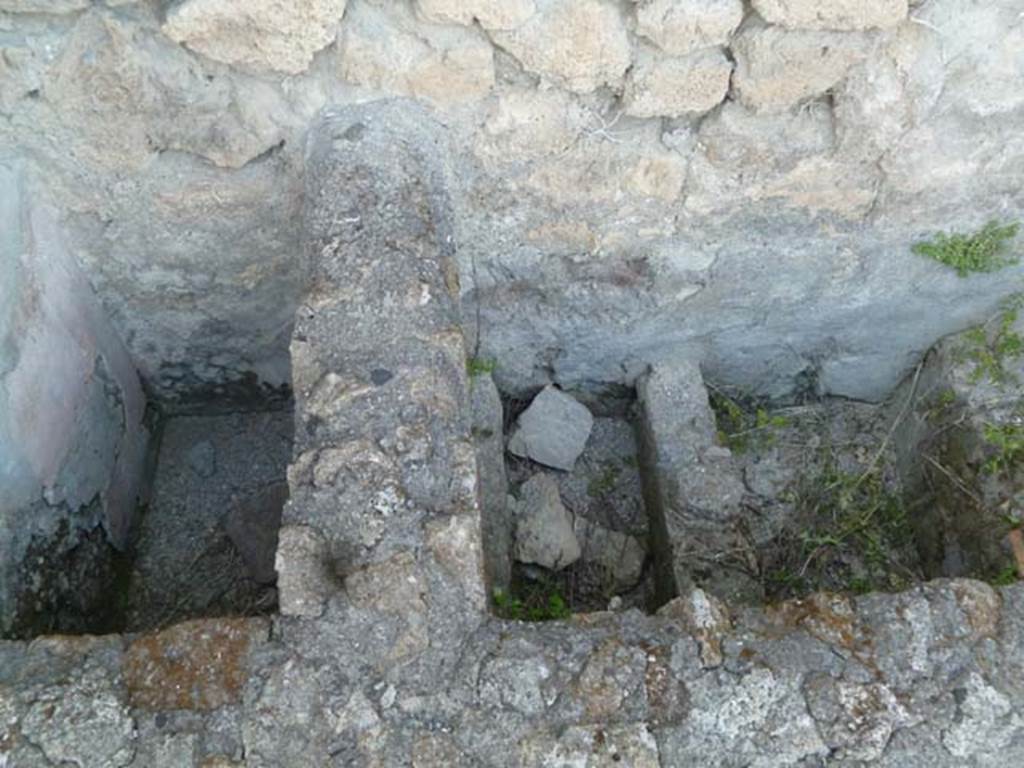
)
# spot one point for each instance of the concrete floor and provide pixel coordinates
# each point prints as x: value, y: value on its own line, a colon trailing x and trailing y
x: 214, y: 474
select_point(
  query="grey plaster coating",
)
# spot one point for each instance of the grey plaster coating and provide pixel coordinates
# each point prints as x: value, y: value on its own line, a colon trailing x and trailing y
x: 384, y: 654
x: 72, y: 437
x: 771, y: 243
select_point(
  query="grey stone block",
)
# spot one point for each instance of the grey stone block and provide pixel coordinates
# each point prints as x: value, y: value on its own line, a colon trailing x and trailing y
x: 553, y: 430
x: 691, y: 486
x: 544, y: 530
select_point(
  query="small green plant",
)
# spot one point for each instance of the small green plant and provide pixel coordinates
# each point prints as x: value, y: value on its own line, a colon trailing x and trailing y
x: 785, y: 579
x: 741, y: 429
x: 990, y: 356
x: 765, y: 420
x: 478, y: 366
x: 1005, y: 577
x: 729, y: 420
x: 984, y: 251
x: 1007, y: 440
x: 854, y: 518
x: 859, y: 585
x: 603, y: 484
x: 939, y: 404
x: 541, y: 602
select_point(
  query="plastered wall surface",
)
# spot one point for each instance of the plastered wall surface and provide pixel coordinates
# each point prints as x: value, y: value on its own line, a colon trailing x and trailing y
x: 632, y: 180
x: 72, y: 439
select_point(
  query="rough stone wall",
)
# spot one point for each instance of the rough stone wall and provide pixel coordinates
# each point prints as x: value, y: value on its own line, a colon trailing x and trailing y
x: 72, y: 439
x: 632, y: 179
x: 930, y: 677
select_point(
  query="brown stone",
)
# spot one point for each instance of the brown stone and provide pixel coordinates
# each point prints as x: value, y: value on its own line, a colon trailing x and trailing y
x: 198, y: 665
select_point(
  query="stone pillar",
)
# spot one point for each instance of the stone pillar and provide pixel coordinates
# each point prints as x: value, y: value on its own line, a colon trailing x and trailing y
x: 384, y: 512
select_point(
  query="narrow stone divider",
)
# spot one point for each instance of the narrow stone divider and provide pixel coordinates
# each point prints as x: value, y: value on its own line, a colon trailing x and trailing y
x: 384, y: 483
x: 692, y: 489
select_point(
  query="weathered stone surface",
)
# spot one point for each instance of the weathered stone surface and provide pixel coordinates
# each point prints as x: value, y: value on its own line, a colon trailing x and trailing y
x: 147, y: 118
x: 304, y: 580
x: 877, y: 678
x: 525, y: 124
x: 620, y: 555
x: 197, y: 665
x: 613, y: 672
x: 205, y: 545
x: 604, y: 486
x: 395, y: 586
x: 900, y: 680
x: 984, y: 79
x: 751, y: 157
x: 492, y: 14
x: 544, y: 528
x: 585, y: 278
x: 693, y: 490
x: 579, y: 46
x: 836, y: 14
x: 859, y: 719
x: 616, y: 191
x: 261, y: 35
x: 387, y: 474
x: 286, y: 717
x: 44, y: 6
x: 157, y: 98
x: 455, y: 542
x: 659, y: 86
x: 778, y: 68
x: 178, y: 751
x: 83, y: 724
x: 553, y: 430
x: 111, y: 95
x: 593, y: 746
x: 383, y: 50
x: 202, y: 458
x: 704, y: 617
x: 760, y: 717
x: 602, y: 171
x: 680, y: 27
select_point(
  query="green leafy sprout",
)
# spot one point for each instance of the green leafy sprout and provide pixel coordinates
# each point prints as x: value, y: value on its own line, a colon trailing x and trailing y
x: 990, y: 355
x: 478, y: 366
x: 1005, y: 577
x: 741, y: 429
x: 860, y: 516
x: 1008, y: 442
x: 541, y: 602
x: 984, y: 251
x: 603, y: 484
